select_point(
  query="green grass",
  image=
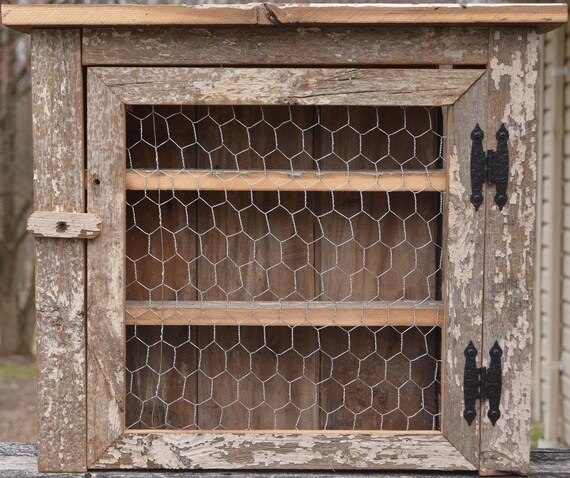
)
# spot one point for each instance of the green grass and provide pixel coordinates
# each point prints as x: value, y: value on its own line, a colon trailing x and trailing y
x: 17, y: 372
x: 536, y: 433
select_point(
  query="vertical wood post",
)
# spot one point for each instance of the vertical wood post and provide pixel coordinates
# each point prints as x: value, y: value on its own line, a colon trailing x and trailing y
x: 464, y: 281
x: 509, y: 247
x: 57, y: 92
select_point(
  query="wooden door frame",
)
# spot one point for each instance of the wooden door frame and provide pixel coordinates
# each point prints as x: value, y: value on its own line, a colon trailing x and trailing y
x: 108, y: 444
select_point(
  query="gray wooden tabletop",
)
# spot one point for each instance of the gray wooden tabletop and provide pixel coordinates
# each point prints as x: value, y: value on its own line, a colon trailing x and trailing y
x: 19, y: 460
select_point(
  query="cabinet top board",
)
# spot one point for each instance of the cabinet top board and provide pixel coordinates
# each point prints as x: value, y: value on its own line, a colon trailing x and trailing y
x: 25, y: 17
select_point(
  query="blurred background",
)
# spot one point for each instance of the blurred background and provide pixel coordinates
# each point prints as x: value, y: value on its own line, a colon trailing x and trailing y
x: 551, y: 349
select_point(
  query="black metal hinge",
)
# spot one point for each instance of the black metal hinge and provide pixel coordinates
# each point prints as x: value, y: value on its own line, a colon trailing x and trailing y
x: 482, y: 383
x: 492, y: 167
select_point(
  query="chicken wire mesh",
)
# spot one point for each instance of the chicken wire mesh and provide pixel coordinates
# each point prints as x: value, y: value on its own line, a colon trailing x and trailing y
x: 280, y: 262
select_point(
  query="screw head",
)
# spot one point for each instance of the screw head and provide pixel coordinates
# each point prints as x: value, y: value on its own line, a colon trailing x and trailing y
x: 61, y: 226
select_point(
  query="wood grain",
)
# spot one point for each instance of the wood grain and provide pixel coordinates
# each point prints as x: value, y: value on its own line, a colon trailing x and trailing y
x: 248, y: 180
x: 65, y: 225
x: 294, y: 86
x: 105, y: 268
x: 293, y: 451
x: 312, y: 46
x: 341, y: 314
x: 24, y: 17
x: 464, y: 261
x: 57, y: 95
x: 509, y: 248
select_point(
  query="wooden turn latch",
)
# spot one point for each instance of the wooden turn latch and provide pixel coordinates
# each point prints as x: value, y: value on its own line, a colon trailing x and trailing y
x: 66, y: 225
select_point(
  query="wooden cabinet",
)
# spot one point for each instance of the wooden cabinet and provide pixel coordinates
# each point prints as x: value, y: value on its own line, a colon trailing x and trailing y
x: 264, y: 247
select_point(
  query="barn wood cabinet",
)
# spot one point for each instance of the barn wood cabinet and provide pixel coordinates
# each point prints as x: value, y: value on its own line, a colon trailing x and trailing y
x: 261, y: 242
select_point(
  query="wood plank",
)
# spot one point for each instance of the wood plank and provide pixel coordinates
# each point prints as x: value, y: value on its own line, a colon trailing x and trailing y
x: 509, y: 248
x: 20, y: 459
x: 299, y: 451
x: 64, y: 225
x: 464, y: 258
x: 530, y: 14
x: 57, y: 96
x: 314, y: 46
x: 271, y: 180
x: 342, y: 314
x: 294, y: 86
x: 24, y: 17
x: 105, y: 268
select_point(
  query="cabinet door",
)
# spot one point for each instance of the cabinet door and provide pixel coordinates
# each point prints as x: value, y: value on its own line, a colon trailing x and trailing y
x: 289, y: 269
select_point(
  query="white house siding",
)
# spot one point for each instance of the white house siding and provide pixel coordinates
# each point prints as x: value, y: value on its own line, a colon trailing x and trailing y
x: 552, y: 362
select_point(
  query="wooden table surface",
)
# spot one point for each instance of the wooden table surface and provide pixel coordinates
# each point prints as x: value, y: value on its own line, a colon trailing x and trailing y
x: 19, y: 460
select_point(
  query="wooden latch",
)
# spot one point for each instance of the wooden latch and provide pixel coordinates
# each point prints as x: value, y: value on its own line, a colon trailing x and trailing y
x: 65, y: 225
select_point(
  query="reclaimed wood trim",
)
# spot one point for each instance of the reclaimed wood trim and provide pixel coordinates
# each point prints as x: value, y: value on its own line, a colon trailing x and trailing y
x: 321, y: 450
x: 19, y: 459
x: 25, y: 17
x: 464, y: 263
x: 106, y: 159
x: 536, y: 14
x: 509, y: 248
x: 294, y: 86
x: 64, y: 225
x: 273, y: 180
x: 285, y: 314
x: 314, y: 46
x: 57, y: 98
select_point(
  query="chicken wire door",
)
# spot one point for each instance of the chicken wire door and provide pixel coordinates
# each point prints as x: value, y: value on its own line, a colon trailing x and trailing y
x: 286, y: 275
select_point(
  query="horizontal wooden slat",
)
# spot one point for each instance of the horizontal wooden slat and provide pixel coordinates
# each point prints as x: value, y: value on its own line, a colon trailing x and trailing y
x: 317, y: 46
x: 25, y: 17
x: 296, y: 86
x: 64, y: 225
x: 206, y: 180
x: 406, y: 451
x: 285, y: 313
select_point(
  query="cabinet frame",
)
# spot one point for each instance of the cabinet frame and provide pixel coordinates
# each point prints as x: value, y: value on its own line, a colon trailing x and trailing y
x: 65, y: 41
x: 108, y: 444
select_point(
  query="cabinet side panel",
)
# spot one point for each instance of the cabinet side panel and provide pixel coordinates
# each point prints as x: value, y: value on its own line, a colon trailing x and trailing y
x: 464, y: 293
x: 509, y: 247
x: 57, y: 94
x: 105, y: 267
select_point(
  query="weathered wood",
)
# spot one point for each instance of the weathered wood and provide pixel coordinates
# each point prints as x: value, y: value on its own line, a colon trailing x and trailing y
x: 105, y: 267
x: 272, y: 180
x: 312, y: 46
x: 532, y: 14
x: 509, y: 247
x: 341, y: 314
x: 68, y: 225
x: 23, y: 17
x: 294, y: 451
x: 295, y: 86
x: 19, y: 461
x: 57, y: 94
x: 464, y: 255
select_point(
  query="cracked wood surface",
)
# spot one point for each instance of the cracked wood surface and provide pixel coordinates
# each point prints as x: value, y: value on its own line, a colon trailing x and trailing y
x: 64, y: 225
x: 57, y: 95
x: 105, y: 267
x: 285, y: 450
x: 310, y: 45
x: 295, y: 86
x: 509, y: 247
x: 465, y: 235
x: 24, y: 17
x: 18, y: 460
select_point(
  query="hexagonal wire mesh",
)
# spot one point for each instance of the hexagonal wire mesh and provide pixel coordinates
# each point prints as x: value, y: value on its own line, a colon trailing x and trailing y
x: 273, y: 280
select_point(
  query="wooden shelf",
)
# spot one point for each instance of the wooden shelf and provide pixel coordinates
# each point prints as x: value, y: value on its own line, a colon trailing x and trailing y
x: 342, y: 314
x: 26, y: 17
x: 224, y: 180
